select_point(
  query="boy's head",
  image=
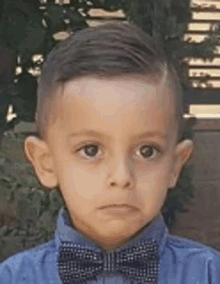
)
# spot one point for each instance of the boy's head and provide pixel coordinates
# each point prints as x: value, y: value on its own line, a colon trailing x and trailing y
x: 111, y: 50
x: 109, y: 89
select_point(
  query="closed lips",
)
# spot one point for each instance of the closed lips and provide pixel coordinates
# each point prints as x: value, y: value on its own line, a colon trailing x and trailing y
x: 119, y: 206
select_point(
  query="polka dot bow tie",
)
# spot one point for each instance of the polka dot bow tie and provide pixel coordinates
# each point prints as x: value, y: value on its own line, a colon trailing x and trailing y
x: 79, y: 264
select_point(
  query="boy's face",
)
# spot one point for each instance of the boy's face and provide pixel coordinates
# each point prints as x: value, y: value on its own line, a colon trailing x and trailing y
x: 113, y: 143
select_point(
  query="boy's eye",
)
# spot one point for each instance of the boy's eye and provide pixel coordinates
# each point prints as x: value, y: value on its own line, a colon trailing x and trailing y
x: 147, y: 151
x: 90, y: 151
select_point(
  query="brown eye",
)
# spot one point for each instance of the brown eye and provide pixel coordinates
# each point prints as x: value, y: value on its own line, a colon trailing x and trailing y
x: 91, y: 150
x: 147, y: 151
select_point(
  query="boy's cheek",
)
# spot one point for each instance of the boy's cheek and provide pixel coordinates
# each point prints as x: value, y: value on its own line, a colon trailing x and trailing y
x: 74, y: 179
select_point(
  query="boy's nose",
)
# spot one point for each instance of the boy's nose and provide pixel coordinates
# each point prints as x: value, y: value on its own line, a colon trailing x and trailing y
x: 121, y: 175
x: 113, y: 184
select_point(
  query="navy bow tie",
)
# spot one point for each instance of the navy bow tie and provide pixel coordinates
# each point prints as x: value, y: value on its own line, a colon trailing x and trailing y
x: 78, y: 264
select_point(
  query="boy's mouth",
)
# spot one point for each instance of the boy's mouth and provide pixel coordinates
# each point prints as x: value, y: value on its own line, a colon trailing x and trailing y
x: 120, y: 210
x: 118, y: 206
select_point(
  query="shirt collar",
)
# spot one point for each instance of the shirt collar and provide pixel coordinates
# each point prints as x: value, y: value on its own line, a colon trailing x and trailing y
x: 65, y: 231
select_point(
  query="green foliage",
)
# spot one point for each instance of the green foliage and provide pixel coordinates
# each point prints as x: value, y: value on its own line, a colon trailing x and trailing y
x: 28, y: 26
x: 34, y: 208
x: 167, y: 21
x: 112, y: 5
x: 22, y: 28
x: 36, y: 220
x: 55, y: 18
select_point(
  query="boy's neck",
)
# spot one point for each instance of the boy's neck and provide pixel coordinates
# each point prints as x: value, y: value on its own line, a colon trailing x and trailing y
x: 115, y: 245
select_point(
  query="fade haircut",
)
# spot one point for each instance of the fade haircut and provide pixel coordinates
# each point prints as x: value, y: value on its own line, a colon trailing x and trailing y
x: 110, y: 50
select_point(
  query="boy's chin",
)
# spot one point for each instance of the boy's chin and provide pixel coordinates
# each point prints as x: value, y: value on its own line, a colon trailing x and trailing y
x: 113, y: 242
x: 114, y: 237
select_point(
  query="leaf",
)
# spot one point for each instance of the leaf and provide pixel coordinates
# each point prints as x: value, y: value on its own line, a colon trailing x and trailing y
x: 23, y: 29
x: 112, y: 5
x: 54, y: 18
x: 14, y: 26
x: 75, y: 18
x: 32, y: 40
x: 24, y: 98
x: 55, y: 203
x: 7, y: 231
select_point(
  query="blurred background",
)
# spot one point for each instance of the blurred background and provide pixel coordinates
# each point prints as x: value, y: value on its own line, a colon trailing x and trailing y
x: 188, y: 30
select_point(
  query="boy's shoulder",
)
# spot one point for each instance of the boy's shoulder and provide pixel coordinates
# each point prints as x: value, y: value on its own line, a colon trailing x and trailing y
x: 187, y: 251
x: 187, y: 261
x: 28, y: 265
x: 189, y: 247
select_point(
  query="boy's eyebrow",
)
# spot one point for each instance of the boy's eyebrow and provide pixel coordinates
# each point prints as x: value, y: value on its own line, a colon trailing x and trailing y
x: 97, y: 134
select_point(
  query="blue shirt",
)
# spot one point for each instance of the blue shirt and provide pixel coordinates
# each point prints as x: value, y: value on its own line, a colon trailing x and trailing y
x: 181, y: 261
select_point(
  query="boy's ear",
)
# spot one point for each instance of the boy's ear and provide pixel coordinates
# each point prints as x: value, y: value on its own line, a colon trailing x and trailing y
x: 183, y: 153
x: 38, y: 153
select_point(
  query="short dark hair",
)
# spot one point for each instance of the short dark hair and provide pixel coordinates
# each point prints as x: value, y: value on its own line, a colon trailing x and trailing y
x: 112, y: 49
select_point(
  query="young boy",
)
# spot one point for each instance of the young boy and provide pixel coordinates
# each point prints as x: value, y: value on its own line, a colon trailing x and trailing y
x: 110, y: 121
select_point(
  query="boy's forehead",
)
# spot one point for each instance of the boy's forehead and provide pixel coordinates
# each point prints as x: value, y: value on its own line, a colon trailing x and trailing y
x: 90, y: 99
x: 123, y: 89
